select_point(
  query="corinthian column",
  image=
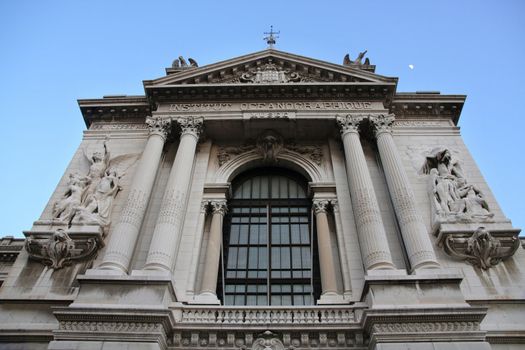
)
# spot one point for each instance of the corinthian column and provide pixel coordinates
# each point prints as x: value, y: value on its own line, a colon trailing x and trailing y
x: 213, y: 252
x: 326, y: 257
x: 164, y: 244
x: 415, y: 235
x: 370, y: 229
x: 124, y: 236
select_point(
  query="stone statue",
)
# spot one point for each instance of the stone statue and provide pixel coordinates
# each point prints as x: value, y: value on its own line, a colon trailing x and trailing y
x: 193, y: 63
x: 89, y: 198
x: 181, y: 63
x: 357, y: 62
x: 452, y: 197
x: 97, y: 206
x: 64, y: 209
x: 98, y: 164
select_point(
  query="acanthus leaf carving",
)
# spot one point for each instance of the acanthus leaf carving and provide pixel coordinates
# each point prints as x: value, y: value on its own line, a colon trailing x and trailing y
x: 269, y: 145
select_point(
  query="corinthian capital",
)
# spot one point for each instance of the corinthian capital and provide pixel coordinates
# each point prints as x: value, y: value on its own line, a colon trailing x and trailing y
x: 382, y: 122
x: 191, y: 125
x: 349, y: 122
x: 158, y: 126
x: 218, y: 206
x: 320, y: 205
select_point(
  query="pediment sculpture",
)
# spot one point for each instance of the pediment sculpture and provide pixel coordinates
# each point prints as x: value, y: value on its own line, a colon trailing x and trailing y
x: 453, y: 198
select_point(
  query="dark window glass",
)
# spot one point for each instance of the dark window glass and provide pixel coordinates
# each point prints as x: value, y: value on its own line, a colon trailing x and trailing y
x: 267, y: 250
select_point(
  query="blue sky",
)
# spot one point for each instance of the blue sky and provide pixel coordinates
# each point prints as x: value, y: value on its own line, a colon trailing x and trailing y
x: 54, y: 52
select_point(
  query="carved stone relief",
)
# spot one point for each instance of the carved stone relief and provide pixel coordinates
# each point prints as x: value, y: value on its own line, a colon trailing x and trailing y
x: 60, y: 250
x: 481, y: 249
x: 89, y: 199
x: 269, y: 145
x: 453, y: 198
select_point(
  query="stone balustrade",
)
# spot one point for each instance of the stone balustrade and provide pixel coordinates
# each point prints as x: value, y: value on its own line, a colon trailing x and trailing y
x: 266, y: 315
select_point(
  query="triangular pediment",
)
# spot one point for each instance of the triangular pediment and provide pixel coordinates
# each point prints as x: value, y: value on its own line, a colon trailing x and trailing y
x: 269, y: 67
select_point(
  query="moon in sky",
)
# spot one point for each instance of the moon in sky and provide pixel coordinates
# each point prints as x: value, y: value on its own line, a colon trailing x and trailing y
x: 411, y: 66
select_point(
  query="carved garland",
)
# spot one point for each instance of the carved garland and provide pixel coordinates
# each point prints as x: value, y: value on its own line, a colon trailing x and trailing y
x: 269, y: 146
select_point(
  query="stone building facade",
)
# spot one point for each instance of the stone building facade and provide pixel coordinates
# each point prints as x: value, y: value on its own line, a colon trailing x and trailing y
x: 270, y: 201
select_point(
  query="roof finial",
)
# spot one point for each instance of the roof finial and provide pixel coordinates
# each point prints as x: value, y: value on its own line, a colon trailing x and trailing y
x: 270, y: 39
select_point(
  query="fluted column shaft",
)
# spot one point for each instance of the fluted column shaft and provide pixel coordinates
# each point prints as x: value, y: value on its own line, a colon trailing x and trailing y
x: 326, y: 258
x: 370, y: 229
x: 164, y: 244
x: 415, y: 235
x: 124, y: 237
x: 213, y: 249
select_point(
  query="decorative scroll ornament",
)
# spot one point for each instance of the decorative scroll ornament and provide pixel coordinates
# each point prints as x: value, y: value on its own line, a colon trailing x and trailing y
x: 453, y: 198
x: 382, y: 122
x: 269, y: 74
x: 350, y: 122
x: 315, y: 153
x: 60, y: 250
x: 268, y: 341
x: 218, y: 207
x: 191, y: 125
x: 320, y: 205
x: 269, y: 144
x: 481, y: 249
x: 158, y: 125
x: 226, y: 153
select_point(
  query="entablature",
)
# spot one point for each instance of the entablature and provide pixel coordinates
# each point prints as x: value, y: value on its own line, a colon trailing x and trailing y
x: 427, y: 105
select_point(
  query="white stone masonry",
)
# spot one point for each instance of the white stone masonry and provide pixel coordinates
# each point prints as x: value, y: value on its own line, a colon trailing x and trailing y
x: 164, y: 244
x: 124, y: 237
x: 372, y: 236
x: 415, y: 235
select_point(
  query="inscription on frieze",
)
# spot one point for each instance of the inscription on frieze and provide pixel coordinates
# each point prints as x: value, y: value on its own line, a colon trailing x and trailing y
x: 269, y: 115
x: 272, y: 106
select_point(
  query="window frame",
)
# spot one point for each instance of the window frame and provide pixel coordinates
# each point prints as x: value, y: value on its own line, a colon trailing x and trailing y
x: 298, y: 212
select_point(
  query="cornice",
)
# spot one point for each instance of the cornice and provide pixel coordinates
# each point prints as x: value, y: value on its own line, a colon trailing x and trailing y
x: 111, y: 107
x: 427, y: 105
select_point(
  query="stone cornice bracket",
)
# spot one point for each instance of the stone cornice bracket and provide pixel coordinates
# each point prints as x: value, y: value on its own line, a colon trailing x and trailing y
x: 59, y: 249
x: 218, y: 206
x: 158, y: 126
x: 350, y: 122
x: 482, y: 248
x: 191, y: 125
x: 320, y: 205
x: 382, y: 122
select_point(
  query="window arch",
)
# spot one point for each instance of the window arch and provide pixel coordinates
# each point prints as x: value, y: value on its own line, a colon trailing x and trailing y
x: 269, y: 247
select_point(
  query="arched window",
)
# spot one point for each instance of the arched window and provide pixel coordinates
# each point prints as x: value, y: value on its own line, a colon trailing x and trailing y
x: 269, y: 252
